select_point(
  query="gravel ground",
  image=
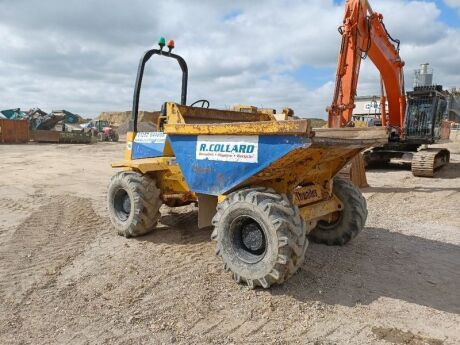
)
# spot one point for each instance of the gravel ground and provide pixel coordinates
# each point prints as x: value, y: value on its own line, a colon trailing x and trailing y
x: 66, y: 277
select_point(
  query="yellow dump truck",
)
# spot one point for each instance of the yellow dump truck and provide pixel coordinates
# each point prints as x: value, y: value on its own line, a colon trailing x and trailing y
x: 265, y: 186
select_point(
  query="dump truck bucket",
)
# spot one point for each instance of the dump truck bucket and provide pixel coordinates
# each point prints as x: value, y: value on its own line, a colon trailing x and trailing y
x: 215, y: 164
x: 219, y: 164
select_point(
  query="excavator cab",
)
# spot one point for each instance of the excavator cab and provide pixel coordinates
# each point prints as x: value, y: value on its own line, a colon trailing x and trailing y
x: 426, y: 107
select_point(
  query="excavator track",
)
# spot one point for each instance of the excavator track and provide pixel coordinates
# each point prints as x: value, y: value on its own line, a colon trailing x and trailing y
x: 425, y: 162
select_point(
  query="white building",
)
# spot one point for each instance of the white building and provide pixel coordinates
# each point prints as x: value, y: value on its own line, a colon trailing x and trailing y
x: 367, y: 109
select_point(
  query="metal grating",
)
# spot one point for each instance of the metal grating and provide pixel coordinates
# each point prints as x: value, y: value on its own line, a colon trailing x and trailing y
x: 419, y: 117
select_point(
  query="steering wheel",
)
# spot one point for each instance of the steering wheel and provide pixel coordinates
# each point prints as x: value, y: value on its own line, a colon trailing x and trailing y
x: 203, y: 103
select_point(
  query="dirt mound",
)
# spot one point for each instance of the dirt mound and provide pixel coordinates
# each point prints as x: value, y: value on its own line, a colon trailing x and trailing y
x: 317, y: 123
x: 116, y: 118
x: 119, y: 118
x: 141, y: 127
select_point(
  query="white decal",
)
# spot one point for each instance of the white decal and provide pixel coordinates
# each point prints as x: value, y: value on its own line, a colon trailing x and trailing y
x: 129, y: 145
x: 227, y: 148
x: 150, y: 138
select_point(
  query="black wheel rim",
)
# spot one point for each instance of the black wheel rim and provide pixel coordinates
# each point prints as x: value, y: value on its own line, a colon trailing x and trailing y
x: 122, y: 205
x: 248, y: 239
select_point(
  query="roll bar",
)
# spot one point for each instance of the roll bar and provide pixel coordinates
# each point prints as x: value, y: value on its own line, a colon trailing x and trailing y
x: 132, y: 127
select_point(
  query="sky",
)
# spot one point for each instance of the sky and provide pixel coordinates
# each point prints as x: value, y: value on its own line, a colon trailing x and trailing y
x: 83, y: 55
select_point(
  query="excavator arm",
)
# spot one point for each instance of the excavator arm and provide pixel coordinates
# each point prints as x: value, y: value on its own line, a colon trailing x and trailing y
x: 364, y: 35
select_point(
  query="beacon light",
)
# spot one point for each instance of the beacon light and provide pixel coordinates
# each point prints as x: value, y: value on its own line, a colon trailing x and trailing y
x: 162, y: 42
x: 170, y: 45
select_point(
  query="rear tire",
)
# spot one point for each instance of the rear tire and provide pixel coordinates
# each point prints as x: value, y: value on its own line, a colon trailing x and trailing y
x: 260, y: 236
x: 134, y: 203
x: 351, y: 219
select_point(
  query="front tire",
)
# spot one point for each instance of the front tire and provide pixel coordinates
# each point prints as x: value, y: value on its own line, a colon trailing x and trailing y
x: 348, y: 222
x: 134, y: 203
x: 260, y: 236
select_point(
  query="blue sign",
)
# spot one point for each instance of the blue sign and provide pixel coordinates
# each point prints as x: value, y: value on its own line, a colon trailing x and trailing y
x: 148, y: 145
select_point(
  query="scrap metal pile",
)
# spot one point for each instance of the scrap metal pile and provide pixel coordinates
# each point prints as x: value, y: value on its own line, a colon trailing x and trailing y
x: 59, y: 126
x: 41, y: 120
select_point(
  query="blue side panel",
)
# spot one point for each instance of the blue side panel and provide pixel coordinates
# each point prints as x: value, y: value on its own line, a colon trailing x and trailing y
x: 214, y: 164
x: 148, y: 144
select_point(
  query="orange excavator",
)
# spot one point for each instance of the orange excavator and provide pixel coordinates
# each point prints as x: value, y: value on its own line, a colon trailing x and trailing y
x: 413, y: 121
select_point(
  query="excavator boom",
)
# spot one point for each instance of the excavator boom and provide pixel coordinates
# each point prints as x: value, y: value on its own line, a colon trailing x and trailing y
x: 364, y: 35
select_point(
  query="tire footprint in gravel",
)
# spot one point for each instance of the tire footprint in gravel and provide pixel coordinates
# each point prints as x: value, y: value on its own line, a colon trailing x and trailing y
x: 44, y: 243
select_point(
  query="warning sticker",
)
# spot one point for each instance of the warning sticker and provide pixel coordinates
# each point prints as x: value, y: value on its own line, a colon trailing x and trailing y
x: 241, y: 149
x: 150, y: 138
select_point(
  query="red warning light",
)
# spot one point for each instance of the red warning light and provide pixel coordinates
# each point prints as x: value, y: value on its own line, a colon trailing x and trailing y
x: 171, y: 45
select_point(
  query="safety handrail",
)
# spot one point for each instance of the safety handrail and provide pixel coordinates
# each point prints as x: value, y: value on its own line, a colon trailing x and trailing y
x: 132, y: 127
